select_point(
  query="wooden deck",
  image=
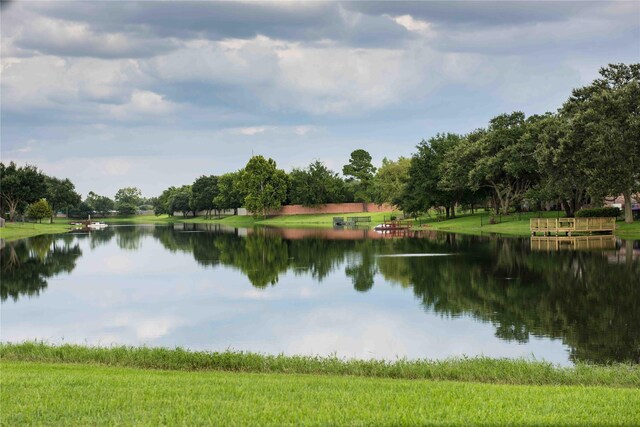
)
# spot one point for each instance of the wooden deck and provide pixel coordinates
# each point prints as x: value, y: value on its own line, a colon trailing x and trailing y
x: 539, y: 243
x: 549, y: 226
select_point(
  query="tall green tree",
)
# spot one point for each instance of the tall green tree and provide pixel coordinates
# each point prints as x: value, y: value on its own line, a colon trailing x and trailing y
x: 61, y: 194
x: 20, y: 186
x: 424, y: 189
x: 506, y: 162
x: 100, y: 204
x: 162, y: 203
x: 391, y: 180
x: 605, y: 116
x: 455, y: 167
x: 561, y: 162
x: 315, y: 186
x: 264, y: 185
x: 203, y: 191
x: 229, y: 194
x: 180, y: 200
x: 360, y: 173
x: 127, y: 200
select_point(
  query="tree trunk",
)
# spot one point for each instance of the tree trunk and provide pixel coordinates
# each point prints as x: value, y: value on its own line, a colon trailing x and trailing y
x: 567, y: 207
x: 13, y: 207
x: 628, y: 213
x: 453, y: 210
x: 446, y: 208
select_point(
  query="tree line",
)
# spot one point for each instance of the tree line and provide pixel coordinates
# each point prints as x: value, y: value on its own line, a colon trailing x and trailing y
x: 587, y: 150
x: 26, y: 191
x: 261, y: 187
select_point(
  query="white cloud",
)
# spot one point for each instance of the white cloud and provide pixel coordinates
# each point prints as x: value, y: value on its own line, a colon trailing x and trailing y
x: 252, y: 130
x: 116, y: 167
x: 411, y: 24
x: 141, y: 102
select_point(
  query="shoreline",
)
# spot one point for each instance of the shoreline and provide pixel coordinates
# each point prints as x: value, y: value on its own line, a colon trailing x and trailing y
x: 462, y: 369
x: 463, y: 224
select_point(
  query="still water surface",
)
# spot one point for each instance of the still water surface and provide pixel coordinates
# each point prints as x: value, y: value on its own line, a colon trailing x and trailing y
x: 321, y: 292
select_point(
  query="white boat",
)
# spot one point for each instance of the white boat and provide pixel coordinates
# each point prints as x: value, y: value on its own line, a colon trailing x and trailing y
x: 383, y: 227
x: 97, y: 226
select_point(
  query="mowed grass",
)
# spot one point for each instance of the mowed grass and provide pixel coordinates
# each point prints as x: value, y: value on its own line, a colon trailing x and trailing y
x: 14, y: 231
x: 487, y: 370
x: 319, y: 220
x: 71, y: 394
x: 513, y: 225
x: 628, y: 231
x: 465, y: 223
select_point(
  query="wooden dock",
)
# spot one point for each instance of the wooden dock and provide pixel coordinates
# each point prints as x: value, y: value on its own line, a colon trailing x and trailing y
x: 549, y: 226
x: 539, y: 243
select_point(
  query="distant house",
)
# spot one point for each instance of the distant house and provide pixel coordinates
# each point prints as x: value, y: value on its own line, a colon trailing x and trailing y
x: 618, y: 202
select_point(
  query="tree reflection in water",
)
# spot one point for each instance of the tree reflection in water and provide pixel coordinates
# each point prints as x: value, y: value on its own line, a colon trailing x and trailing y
x: 588, y: 299
x: 26, y: 265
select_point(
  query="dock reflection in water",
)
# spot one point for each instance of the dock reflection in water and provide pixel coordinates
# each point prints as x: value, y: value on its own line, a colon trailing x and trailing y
x: 573, y: 243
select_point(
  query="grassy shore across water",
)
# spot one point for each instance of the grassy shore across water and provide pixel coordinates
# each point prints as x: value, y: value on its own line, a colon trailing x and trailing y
x: 75, y: 385
x: 477, y: 224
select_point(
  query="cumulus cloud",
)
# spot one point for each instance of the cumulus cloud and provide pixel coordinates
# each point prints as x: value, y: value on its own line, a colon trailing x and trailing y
x: 226, y: 78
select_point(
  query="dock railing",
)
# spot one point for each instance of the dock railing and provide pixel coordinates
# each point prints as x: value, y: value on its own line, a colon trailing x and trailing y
x: 539, y: 243
x: 549, y: 226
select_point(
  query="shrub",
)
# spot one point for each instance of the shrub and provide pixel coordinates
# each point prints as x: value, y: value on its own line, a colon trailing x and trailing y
x: 127, y: 209
x: 39, y: 210
x: 598, y: 212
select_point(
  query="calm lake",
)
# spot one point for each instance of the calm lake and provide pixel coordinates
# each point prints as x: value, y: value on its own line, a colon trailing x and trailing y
x: 352, y: 293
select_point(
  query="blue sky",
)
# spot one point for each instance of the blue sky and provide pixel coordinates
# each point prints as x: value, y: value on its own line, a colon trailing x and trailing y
x: 153, y: 94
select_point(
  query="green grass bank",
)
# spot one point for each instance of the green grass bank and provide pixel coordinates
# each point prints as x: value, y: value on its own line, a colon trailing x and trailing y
x: 484, y: 370
x: 468, y: 224
x: 15, y: 231
x: 464, y: 223
x: 80, y: 394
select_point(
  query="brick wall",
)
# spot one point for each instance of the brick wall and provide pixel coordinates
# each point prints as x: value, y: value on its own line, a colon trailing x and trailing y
x: 333, y: 208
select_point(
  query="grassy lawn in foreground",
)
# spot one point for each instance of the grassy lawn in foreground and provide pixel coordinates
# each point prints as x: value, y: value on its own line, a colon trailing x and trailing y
x: 480, y: 369
x: 71, y: 394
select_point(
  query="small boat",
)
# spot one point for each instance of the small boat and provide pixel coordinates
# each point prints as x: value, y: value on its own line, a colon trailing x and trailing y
x: 382, y: 227
x: 97, y: 226
x: 392, y: 225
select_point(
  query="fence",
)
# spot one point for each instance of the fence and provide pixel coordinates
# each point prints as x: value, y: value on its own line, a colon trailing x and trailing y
x: 571, y: 225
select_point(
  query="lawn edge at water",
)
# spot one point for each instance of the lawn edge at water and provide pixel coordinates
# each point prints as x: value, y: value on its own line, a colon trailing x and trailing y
x: 463, y: 224
x: 477, y: 369
x: 16, y: 231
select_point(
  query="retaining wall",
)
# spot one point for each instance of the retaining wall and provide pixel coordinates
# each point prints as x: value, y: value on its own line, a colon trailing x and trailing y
x: 333, y: 208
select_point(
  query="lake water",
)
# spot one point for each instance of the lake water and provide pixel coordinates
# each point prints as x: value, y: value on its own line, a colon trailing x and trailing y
x: 350, y: 293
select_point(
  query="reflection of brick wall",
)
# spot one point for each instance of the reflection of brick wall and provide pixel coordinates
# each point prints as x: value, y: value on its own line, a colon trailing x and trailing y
x: 336, y: 208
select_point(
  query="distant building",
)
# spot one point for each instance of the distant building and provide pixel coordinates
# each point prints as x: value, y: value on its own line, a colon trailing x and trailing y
x: 618, y: 202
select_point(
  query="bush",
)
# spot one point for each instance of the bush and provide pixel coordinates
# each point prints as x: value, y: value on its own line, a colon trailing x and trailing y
x: 598, y: 212
x: 126, y: 209
x: 39, y: 210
